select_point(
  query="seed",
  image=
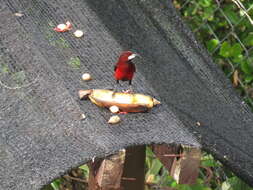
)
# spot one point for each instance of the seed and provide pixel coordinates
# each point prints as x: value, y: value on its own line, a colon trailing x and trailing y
x: 86, y: 77
x: 78, y: 33
x: 83, y: 116
x: 114, y: 119
x: 18, y: 14
x: 114, y: 109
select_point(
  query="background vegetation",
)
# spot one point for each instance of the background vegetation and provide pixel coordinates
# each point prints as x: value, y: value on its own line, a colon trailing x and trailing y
x: 225, y: 28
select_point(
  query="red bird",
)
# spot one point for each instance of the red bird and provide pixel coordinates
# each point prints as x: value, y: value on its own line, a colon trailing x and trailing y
x: 124, y: 69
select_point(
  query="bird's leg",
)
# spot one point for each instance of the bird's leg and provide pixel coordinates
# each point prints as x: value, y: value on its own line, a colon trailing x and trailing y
x: 130, y: 90
x: 115, y: 87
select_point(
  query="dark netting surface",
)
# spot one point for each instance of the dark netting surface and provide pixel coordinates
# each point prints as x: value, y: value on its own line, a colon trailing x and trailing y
x: 41, y: 134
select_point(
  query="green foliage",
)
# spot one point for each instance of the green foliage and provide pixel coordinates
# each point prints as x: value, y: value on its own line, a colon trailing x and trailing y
x: 227, y: 34
x: 234, y: 183
x: 208, y: 161
x: 4, y: 69
x: 231, y: 51
x: 248, y: 40
x: 53, y: 37
x: 19, y: 77
x: 56, y: 184
x: 212, y: 44
x: 154, y: 166
x: 85, y: 170
x: 222, y: 178
x: 74, y: 62
x: 156, y: 174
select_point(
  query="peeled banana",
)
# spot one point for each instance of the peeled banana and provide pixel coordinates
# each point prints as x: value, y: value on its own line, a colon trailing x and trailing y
x: 126, y: 102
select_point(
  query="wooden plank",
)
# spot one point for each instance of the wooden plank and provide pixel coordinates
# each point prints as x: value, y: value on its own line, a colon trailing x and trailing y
x: 134, y: 169
x: 189, y: 165
x: 181, y: 162
x: 93, y: 169
x: 125, y: 170
x: 167, y: 154
x: 106, y: 174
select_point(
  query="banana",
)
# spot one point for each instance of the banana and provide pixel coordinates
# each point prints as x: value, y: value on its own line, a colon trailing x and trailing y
x: 126, y: 102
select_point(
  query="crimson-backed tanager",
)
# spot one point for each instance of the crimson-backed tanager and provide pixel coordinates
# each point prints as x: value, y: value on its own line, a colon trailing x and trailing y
x: 124, y: 69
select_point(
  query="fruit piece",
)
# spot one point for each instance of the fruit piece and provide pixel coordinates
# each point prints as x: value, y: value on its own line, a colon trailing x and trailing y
x: 63, y: 27
x: 125, y: 102
x: 114, y: 109
x: 78, y: 33
x: 86, y: 77
x: 114, y: 119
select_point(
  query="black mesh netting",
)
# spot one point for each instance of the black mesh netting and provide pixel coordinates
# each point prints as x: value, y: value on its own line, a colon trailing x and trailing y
x: 41, y: 134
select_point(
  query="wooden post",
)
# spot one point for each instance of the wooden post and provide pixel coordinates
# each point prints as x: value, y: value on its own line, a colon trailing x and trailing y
x: 106, y: 174
x: 124, y: 170
x: 189, y: 166
x: 134, y: 168
x: 93, y: 169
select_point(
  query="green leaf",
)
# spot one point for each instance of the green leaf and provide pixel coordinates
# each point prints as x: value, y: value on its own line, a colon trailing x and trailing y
x: 183, y: 187
x: 155, y: 167
x: 235, y: 183
x: 86, y: 170
x: 248, y: 78
x: 238, y: 59
x: 75, y: 62
x: 225, y: 49
x: 166, y: 179
x: 246, y: 67
x: 205, y: 3
x: 200, y: 187
x: 225, y: 186
x: 173, y: 184
x: 4, y: 68
x: 19, y: 77
x: 61, y: 43
x: 56, y: 184
x: 208, y: 13
x: 152, y: 174
x: 232, y: 16
x: 248, y: 41
x: 149, y: 157
x: 212, y: 44
x: 149, y: 152
x: 236, y: 50
x: 209, y: 163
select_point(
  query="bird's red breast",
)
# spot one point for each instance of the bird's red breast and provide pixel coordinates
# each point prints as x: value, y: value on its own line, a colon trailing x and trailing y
x: 124, y: 71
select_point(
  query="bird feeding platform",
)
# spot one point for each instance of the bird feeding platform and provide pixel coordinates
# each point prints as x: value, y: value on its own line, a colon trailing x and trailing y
x: 42, y: 135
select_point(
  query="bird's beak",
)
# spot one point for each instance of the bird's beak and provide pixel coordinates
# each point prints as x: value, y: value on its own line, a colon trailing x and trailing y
x: 132, y: 56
